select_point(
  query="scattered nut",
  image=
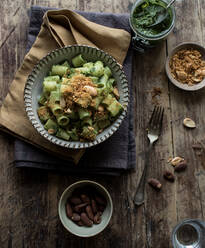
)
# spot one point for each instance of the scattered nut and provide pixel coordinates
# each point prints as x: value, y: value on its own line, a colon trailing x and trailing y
x: 169, y: 176
x: 175, y: 161
x: 189, y: 123
x: 181, y: 166
x: 155, y: 183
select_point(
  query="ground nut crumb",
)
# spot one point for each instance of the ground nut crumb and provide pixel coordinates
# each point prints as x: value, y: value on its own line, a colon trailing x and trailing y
x: 187, y: 66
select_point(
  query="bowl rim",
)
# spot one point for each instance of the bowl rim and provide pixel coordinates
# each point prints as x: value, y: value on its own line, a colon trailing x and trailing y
x: 167, y: 67
x: 55, y: 140
x: 79, y: 183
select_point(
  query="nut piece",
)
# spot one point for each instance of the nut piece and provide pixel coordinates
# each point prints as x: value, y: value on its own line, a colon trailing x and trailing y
x: 116, y: 93
x: 154, y: 183
x: 175, y: 161
x: 100, y: 200
x: 169, y: 176
x: 85, y: 219
x: 75, y: 217
x: 91, y: 90
x: 189, y: 123
x: 181, y: 166
x: 79, y: 223
x: 97, y: 218
x: 78, y: 208
x: 69, y: 210
x: 85, y: 198
x: 89, y: 212
x: 94, y: 206
x: 75, y: 200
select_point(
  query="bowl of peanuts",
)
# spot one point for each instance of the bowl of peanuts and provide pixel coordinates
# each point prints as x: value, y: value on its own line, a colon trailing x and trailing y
x: 185, y: 66
x: 85, y: 208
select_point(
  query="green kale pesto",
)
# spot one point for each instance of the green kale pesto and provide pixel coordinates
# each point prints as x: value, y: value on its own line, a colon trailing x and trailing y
x: 146, y: 14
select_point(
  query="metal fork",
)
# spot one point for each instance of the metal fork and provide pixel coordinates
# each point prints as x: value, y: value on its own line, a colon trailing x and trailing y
x: 154, y: 131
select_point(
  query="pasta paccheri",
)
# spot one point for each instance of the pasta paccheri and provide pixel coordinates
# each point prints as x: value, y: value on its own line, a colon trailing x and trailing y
x: 79, y: 102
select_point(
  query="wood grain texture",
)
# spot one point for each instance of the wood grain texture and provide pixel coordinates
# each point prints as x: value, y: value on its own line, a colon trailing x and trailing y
x: 29, y: 198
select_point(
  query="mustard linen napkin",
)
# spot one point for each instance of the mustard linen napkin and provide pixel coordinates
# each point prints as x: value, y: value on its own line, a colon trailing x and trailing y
x: 59, y: 28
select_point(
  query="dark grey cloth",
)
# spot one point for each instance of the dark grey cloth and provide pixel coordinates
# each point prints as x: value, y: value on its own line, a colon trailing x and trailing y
x: 112, y: 157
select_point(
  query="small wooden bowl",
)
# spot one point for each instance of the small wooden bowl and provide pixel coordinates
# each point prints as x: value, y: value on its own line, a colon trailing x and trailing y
x: 168, y: 71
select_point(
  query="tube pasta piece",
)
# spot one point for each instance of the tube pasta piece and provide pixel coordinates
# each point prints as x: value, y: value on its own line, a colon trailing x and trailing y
x: 89, y: 65
x: 56, y: 109
x: 98, y: 69
x: 115, y: 108
x: 62, y: 120
x: 108, y: 100
x: 66, y: 64
x: 94, y: 79
x: 87, y: 121
x: 89, y: 133
x: 54, y: 98
x: 103, y: 124
x: 59, y: 70
x: 111, y: 81
x: 52, y: 78
x: 51, y: 125
x: 42, y: 100
x: 83, y: 113
x: 61, y: 133
x: 96, y: 102
x: 73, y: 134
x: 107, y: 71
x: 49, y: 86
x: 78, y: 61
x: 43, y: 113
x: 103, y: 80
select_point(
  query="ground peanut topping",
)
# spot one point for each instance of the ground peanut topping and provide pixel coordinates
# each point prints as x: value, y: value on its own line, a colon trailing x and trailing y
x: 187, y: 66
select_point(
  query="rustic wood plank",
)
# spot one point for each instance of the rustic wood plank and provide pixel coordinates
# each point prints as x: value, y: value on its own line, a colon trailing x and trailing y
x: 183, y: 104
x: 154, y: 219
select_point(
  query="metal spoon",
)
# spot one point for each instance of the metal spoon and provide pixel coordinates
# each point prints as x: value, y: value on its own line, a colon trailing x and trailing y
x: 163, y: 15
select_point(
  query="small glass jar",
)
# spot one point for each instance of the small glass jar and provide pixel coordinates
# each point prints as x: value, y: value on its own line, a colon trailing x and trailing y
x: 141, y: 42
x: 189, y: 234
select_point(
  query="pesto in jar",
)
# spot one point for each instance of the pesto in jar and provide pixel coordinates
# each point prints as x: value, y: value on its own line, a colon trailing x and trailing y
x: 146, y: 14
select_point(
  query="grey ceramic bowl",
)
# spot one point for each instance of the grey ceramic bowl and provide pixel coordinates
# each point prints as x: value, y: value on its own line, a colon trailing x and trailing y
x: 33, y: 90
x: 184, y: 45
x: 83, y: 231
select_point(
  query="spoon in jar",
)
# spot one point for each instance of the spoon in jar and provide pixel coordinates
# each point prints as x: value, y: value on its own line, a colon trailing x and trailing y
x: 163, y: 15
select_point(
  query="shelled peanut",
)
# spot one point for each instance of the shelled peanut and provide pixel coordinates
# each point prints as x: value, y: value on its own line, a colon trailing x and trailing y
x: 85, y: 206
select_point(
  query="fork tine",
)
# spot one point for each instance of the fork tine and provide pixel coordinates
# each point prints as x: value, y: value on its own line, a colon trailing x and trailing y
x: 161, y: 119
x: 155, y: 118
x: 151, y: 119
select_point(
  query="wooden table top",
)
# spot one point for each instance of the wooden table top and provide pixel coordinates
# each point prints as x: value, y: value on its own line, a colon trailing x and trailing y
x: 29, y: 199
